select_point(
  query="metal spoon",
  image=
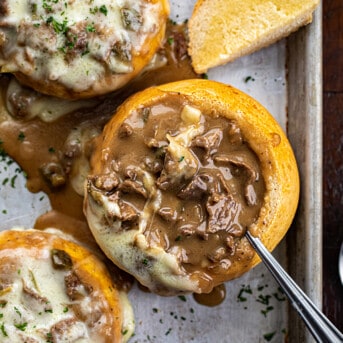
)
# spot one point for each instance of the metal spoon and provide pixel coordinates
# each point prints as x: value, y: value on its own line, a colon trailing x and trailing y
x: 340, y: 263
x: 320, y: 327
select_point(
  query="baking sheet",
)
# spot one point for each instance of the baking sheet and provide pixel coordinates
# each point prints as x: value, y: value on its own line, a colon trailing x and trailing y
x: 286, y: 79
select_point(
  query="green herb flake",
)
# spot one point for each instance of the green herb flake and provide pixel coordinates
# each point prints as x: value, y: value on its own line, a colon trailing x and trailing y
x: 3, y: 330
x: 244, y: 289
x: 49, y: 337
x: 1, y: 315
x: 178, y: 238
x: 17, y: 311
x: 268, y: 336
x: 168, y: 332
x: 124, y: 332
x: 65, y: 310
x: 249, y: 78
x: 103, y: 9
x: 170, y: 40
x: 263, y: 299
x: 90, y: 28
x: 51, y: 150
x: 155, y: 310
x: 181, y: 158
x: 21, y: 136
x: 268, y: 309
x: 182, y: 298
x: 21, y: 326
x: 13, y: 181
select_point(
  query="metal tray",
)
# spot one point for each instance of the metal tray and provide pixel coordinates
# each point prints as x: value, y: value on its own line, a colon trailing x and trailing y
x: 286, y: 79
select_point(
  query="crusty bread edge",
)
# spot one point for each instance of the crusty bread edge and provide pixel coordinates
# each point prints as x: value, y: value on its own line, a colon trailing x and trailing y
x: 200, y: 66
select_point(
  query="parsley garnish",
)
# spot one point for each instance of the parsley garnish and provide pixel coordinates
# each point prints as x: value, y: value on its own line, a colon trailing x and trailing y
x: 21, y: 136
x: 3, y: 330
x: 268, y: 336
x: 103, y: 9
x: 21, y: 326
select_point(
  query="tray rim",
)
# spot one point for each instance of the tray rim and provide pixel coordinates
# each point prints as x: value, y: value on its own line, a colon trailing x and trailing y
x: 304, y: 241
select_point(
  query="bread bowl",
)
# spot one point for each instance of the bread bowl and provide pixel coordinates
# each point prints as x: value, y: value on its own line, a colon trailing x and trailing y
x: 79, y: 49
x: 151, y: 169
x: 54, y: 290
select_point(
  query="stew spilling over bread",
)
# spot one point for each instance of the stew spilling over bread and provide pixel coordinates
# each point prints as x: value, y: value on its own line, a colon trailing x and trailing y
x: 173, y: 189
x: 75, y: 49
x: 54, y: 290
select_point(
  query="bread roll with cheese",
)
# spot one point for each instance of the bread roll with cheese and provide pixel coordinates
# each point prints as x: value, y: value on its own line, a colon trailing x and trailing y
x: 78, y: 49
x: 179, y: 174
x: 222, y: 30
x: 53, y: 290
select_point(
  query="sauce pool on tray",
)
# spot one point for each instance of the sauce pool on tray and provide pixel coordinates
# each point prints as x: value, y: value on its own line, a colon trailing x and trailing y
x: 178, y: 175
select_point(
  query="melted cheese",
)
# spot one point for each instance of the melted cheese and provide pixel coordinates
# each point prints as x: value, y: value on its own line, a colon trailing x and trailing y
x: 74, y: 42
x: 25, y: 316
x: 35, y: 306
x: 47, y: 108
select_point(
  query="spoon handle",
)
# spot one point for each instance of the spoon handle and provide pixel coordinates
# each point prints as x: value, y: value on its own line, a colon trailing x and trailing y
x: 320, y: 327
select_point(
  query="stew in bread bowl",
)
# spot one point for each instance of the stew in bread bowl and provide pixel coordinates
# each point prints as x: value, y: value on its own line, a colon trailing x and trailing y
x: 54, y: 290
x: 77, y: 49
x: 179, y: 174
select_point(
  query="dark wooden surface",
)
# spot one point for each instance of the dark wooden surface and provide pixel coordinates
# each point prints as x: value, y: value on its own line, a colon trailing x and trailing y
x: 333, y: 157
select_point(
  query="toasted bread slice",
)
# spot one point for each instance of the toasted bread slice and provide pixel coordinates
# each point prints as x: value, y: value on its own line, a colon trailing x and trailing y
x: 223, y: 30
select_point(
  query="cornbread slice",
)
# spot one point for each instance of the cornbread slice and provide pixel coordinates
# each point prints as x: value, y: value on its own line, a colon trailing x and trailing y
x: 222, y: 30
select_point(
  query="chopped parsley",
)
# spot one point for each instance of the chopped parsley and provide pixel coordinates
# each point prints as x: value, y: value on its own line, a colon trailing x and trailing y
x: 182, y: 298
x: 3, y: 330
x: 90, y: 28
x: 57, y: 26
x: 21, y: 136
x: 103, y: 9
x: 268, y: 336
x: 21, y: 327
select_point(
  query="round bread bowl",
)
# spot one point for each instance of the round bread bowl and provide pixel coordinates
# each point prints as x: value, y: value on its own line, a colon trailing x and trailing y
x: 155, y: 267
x: 59, y: 291
x: 80, y: 50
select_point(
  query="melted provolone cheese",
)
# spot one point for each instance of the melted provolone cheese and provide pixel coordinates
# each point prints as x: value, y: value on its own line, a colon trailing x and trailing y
x: 74, y: 42
x: 40, y: 302
x: 34, y: 300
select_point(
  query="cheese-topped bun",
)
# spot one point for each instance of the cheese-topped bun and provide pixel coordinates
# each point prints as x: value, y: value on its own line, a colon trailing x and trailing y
x: 76, y: 49
x: 223, y: 30
x: 178, y: 176
x: 53, y: 290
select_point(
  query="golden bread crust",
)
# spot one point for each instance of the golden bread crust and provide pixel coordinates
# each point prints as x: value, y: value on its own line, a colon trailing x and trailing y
x: 265, y: 138
x: 221, y: 31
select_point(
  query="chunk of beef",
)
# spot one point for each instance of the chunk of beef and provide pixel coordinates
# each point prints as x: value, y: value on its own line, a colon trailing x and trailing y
x: 124, y: 211
x: 68, y: 330
x: 75, y: 289
x: 168, y: 214
x: 243, y: 166
x: 209, y: 142
x: 129, y: 186
x: 223, y: 213
x: 207, y: 182
x: 105, y: 182
x: 54, y: 173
